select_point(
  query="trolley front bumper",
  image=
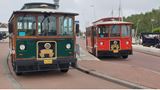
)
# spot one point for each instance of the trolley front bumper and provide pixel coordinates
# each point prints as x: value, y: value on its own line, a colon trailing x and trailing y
x: 111, y: 53
x: 39, y: 65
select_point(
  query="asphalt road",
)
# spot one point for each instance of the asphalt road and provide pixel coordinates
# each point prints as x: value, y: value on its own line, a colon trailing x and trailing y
x: 138, y: 59
x: 74, y: 79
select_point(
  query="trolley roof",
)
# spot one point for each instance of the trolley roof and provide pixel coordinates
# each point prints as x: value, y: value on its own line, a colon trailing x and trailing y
x: 40, y: 5
x: 110, y: 21
x: 41, y: 8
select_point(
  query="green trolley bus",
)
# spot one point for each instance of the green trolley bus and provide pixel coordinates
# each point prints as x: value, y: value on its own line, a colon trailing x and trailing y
x: 42, y: 38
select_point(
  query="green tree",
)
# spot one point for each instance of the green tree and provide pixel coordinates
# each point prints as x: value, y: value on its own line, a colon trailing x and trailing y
x: 145, y: 22
x: 156, y: 30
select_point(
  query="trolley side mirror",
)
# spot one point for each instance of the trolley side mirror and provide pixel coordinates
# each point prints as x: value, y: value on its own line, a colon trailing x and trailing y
x: 10, y: 28
x: 77, y: 29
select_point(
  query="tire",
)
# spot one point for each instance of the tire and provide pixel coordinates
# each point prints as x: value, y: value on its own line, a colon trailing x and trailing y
x: 15, y: 68
x: 18, y: 73
x: 125, y: 56
x: 74, y: 64
x: 94, y: 52
x: 64, y: 68
x: 13, y: 65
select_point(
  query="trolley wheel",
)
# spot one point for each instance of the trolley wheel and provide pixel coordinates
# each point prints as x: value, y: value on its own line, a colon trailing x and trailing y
x: 74, y: 64
x: 65, y: 70
x: 64, y: 67
x: 125, y: 56
x: 15, y: 67
x: 18, y: 73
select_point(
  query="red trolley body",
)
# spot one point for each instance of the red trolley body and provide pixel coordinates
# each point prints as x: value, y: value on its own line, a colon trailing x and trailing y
x: 109, y: 37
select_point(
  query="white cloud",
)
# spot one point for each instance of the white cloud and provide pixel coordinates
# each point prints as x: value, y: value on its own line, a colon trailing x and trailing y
x: 77, y: 1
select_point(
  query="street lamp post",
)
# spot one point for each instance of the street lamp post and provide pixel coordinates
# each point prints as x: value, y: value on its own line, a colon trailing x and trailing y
x: 152, y: 20
x: 136, y: 32
x: 94, y: 14
x: 137, y: 28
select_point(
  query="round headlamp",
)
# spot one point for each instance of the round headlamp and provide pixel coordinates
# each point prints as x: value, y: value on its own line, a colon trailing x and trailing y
x: 68, y: 46
x: 22, y: 47
x: 127, y: 42
x: 101, y: 43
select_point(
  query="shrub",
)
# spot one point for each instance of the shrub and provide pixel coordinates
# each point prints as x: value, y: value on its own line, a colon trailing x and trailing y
x: 156, y: 30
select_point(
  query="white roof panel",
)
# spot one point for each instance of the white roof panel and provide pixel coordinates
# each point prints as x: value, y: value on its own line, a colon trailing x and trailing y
x: 111, y: 22
x: 45, y: 10
x: 38, y: 10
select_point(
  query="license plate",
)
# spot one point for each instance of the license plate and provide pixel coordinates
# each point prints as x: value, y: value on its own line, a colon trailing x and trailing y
x: 115, y: 51
x: 48, y: 61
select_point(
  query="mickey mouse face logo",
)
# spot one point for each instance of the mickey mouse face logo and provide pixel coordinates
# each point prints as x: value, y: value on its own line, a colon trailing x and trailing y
x: 115, y: 42
x: 47, y: 45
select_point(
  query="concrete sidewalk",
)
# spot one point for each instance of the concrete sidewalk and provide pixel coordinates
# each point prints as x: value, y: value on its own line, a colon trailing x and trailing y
x: 84, y: 55
x: 147, y: 50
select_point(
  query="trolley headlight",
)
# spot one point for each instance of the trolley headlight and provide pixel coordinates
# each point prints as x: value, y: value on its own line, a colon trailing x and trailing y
x: 22, y: 47
x: 68, y: 46
x: 101, y: 43
x: 127, y: 42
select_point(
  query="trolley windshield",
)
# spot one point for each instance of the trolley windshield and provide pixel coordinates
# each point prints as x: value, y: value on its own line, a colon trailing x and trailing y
x: 44, y: 25
x: 114, y: 30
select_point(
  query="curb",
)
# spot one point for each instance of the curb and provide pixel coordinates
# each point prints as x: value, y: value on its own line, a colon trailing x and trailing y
x: 146, y: 52
x: 15, y: 84
x: 82, y: 51
x: 112, y: 79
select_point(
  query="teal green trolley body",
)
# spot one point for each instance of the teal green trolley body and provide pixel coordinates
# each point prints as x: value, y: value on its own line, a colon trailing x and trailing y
x: 42, y: 38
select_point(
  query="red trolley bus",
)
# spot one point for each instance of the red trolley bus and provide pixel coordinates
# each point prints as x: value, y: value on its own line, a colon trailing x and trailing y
x: 109, y: 37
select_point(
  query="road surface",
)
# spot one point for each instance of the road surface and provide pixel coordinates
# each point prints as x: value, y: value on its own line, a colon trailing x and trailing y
x: 74, y: 79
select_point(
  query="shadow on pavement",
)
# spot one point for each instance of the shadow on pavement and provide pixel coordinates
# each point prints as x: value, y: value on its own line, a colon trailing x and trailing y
x: 55, y: 73
x: 112, y: 58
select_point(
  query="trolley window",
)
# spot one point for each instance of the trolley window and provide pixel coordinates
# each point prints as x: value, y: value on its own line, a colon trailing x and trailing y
x: 47, y: 25
x: 126, y: 30
x: 103, y: 31
x: 115, y: 31
x: 26, y: 25
x: 66, y: 26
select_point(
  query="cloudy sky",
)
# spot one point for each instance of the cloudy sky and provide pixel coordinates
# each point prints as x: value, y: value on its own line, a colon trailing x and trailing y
x: 89, y: 10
